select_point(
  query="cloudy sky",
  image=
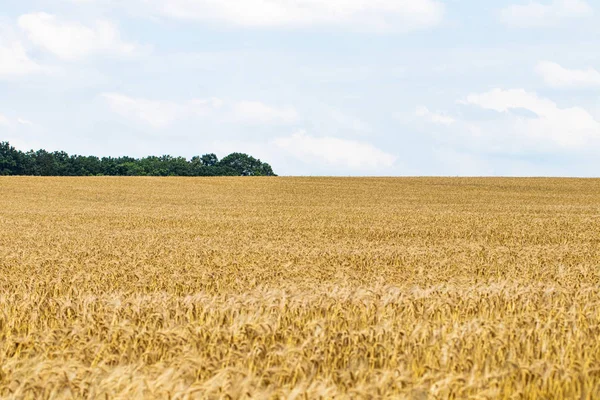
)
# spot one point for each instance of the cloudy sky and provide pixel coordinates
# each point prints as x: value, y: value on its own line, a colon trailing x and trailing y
x: 314, y: 87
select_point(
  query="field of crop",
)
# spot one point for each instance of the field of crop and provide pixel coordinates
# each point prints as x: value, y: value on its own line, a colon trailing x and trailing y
x: 126, y: 288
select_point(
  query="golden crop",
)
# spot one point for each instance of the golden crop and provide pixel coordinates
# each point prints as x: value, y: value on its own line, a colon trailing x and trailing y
x: 182, y: 288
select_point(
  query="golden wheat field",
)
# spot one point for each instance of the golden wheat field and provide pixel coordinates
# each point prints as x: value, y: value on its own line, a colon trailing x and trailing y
x: 185, y: 288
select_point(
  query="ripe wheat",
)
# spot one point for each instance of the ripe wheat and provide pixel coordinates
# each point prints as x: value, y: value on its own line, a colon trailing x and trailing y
x: 182, y: 288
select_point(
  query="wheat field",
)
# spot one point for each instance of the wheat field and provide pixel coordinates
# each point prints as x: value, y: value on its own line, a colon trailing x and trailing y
x: 299, y: 288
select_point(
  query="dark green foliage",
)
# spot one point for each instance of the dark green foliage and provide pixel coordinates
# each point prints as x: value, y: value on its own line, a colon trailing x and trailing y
x: 246, y: 165
x: 59, y: 163
x: 8, y: 158
x: 209, y: 160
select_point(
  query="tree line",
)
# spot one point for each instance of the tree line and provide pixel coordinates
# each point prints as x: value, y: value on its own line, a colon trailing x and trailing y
x: 59, y: 163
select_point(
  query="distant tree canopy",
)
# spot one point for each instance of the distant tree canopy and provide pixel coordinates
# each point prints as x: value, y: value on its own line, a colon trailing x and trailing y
x: 59, y: 163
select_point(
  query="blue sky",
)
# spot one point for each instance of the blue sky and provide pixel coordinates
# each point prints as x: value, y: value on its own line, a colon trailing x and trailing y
x: 337, y: 87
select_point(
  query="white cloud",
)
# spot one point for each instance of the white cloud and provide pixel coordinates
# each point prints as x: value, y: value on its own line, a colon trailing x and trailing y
x: 378, y: 15
x: 14, y: 60
x: 159, y: 114
x: 255, y: 112
x: 73, y: 40
x: 559, y: 77
x: 436, y: 118
x: 551, y: 128
x: 154, y: 113
x: 335, y: 151
x: 26, y: 122
x: 13, y: 123
x: 535, y: 14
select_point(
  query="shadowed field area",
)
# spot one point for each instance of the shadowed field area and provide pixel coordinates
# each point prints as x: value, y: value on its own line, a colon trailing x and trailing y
x: 299, y: 288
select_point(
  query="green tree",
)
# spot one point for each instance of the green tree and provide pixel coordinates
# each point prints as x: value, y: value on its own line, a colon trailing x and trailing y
x: 209, y: 160
x: 246, y: 165
x: 59, y: 163
x: 45, y: 163
x: 8, y: 159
